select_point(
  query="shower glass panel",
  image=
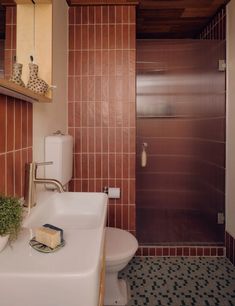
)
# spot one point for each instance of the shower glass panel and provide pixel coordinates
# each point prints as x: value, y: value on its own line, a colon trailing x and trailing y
x: 180, y: 142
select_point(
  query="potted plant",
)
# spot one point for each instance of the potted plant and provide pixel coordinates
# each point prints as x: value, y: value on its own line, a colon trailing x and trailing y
x: 11, y: 216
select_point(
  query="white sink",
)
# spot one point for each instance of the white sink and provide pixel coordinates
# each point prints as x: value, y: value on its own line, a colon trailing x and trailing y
x: 70, y: 210
x: 69, y: 276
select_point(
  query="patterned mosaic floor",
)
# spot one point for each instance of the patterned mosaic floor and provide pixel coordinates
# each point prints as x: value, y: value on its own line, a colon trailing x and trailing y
x: 180, y: 281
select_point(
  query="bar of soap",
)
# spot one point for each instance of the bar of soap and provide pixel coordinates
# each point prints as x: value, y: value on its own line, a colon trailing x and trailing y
x: 55, y: 228
x: 48, y: 236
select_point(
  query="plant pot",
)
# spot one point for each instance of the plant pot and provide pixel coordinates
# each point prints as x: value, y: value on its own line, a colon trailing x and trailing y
x: 3, y: 242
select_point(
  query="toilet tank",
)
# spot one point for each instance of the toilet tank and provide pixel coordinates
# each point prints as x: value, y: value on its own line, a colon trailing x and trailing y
x: 59, y: 150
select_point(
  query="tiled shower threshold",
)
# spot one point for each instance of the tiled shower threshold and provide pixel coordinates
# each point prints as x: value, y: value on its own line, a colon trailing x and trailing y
x: 175, y: 251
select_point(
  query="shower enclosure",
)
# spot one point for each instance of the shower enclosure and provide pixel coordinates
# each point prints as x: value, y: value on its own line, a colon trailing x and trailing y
x: 181, y: 127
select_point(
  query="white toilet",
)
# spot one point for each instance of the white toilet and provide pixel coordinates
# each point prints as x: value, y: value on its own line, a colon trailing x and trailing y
x: 120, y: 248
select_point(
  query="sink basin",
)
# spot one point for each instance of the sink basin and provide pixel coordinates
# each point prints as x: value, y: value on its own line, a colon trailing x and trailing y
x: 69, y: 210
x: 69, y: 276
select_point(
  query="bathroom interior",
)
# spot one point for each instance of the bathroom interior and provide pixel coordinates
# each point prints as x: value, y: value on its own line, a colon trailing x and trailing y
x: 139, y: 106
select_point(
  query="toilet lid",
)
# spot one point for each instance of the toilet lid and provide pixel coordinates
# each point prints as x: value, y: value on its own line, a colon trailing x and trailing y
x: 119, y: 244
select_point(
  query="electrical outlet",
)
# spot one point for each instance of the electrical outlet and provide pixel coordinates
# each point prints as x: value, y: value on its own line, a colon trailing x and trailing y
x: 220, y: 218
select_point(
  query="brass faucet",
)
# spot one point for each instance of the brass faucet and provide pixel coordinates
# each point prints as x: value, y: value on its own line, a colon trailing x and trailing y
x: 31, y: 180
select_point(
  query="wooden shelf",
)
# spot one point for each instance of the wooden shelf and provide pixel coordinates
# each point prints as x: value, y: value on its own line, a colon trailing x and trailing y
x: 13, y: 90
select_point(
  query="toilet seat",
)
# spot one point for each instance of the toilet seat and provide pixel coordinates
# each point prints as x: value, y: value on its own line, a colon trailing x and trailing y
x: 120, y: 244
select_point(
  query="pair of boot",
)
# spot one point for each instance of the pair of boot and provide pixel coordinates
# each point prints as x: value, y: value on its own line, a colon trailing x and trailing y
x: 35, y: 84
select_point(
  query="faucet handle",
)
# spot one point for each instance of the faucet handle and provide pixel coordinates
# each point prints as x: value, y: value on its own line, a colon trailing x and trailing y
x: 40, y: 164
x: 44, y: 163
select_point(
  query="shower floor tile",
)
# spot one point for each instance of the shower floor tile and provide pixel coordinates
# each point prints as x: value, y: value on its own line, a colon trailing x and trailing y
x: 162, y: 226
x: 180, y: 281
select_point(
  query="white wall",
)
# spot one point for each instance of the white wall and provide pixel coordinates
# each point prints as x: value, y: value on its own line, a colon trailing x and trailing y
x: 47, y: 118
x: 230, y: 155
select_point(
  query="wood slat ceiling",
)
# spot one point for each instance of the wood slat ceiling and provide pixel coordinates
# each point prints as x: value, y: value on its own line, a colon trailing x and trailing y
x: 174, y: 18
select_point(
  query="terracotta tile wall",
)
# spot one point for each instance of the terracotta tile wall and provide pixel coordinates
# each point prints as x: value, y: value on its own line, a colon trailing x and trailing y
x: 216, y: 29
x: 15, y: 144
x: 185, y: 251
x: 102, y: 104
x: 230, y: 247
x: 15, y: 126
x: 1, y: 58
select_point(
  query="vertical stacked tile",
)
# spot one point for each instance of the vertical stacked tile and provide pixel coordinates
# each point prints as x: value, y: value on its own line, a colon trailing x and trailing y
x: 2, y: 41
x: 15, y: 144
x: 102, y: 104
x: 230, y: 247
x: 2, y: 58
x: 217, y: 30
x: 15, y: 126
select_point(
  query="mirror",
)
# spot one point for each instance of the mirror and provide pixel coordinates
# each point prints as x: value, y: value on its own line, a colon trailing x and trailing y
x: 33, y: 20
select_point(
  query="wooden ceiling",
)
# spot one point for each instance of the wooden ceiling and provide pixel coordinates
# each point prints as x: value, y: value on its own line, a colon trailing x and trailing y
x: 174, y: 18
x: 102, y: 2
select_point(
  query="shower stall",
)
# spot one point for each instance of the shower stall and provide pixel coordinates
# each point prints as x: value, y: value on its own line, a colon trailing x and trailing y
x: 180, y: 166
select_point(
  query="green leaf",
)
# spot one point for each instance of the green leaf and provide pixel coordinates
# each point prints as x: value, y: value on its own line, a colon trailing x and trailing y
x: 11, y: 216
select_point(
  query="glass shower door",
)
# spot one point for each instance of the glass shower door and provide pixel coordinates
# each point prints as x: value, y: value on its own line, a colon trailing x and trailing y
x: 181, y: 130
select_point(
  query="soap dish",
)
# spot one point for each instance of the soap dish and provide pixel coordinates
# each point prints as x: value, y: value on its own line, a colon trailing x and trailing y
x: 40, y: 247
